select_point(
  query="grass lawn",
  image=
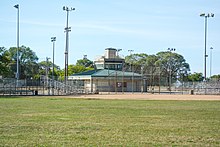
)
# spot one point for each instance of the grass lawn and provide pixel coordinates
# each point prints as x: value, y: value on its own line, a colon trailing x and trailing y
x: 41, y: 121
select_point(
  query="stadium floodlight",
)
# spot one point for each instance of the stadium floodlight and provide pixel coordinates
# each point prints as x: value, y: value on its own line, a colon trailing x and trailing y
x: 171, y: 49
x: 202, y: 14
x: 205, y: 55
x: 53, y: 39
x: 67, y: 30
x: 17, y: 73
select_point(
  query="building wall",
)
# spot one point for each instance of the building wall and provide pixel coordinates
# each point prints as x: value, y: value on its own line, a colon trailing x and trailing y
x: 112, y: 85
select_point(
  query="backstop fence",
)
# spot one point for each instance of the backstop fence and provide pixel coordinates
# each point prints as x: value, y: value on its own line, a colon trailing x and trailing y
x: 46, y: 86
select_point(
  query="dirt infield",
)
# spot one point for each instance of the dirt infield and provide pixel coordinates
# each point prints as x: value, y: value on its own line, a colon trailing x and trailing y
x: 139, y: 96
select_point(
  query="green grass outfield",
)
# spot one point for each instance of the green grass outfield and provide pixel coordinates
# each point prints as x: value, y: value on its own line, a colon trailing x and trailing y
x: 41, y: 121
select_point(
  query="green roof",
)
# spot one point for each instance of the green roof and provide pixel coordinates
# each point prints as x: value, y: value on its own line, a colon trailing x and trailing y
x: 86, y: 73
x: 107, y: 73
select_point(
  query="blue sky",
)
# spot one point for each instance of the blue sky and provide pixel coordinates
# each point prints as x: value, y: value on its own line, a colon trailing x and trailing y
x: 141, y: 25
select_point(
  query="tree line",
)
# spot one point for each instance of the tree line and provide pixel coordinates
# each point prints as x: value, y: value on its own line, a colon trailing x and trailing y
x: 170, y: 65
x: 30, y: 68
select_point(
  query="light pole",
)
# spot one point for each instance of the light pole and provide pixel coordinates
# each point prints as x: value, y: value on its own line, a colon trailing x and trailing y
x: 117, y: 67
x: 53, y: 39
x: 142, y: 85
x: 17, y: 73
x: 205, y: 55
x: 47, y: 74
x: 130, y: 51
x: 170, y: 69
x: 67, y: 30
x: 132, y: 83
x: 211, y: 48
x: 182, y: 73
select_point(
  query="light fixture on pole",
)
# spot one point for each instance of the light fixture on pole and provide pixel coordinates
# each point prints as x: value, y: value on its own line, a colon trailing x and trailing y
x: 170, y: 69
x: 53, y: 39
x: 67, y: 30
x: 17, y: 72
x: 118, y: 50
x: 130, y: 51
x: 205, y: 55
x: 211, y: 48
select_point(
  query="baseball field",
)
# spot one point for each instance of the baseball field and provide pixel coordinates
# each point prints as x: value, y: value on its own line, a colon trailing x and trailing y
x: 110, y: 120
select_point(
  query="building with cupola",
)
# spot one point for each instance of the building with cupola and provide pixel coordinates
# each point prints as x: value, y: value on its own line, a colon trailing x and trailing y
x: 109, y: 76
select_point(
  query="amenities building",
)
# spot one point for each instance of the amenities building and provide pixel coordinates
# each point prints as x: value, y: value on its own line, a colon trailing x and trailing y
x: 109, y: 76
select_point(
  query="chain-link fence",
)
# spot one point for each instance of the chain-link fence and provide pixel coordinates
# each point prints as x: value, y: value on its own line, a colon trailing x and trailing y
x: 147, y: 83
x: 41, y: 86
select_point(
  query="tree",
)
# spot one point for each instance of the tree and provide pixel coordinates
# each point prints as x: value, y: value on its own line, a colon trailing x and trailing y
x: 166, y: 64
x: 172, y: 64
x: 136, y: 60
x: 44, y: 65
x: 150, y: 69
x: 195, y: 77
x: 215, y: 77
x: 28, y: 66
x: 85, y: 62
x: 72, y: 69
x: 4, y: 62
